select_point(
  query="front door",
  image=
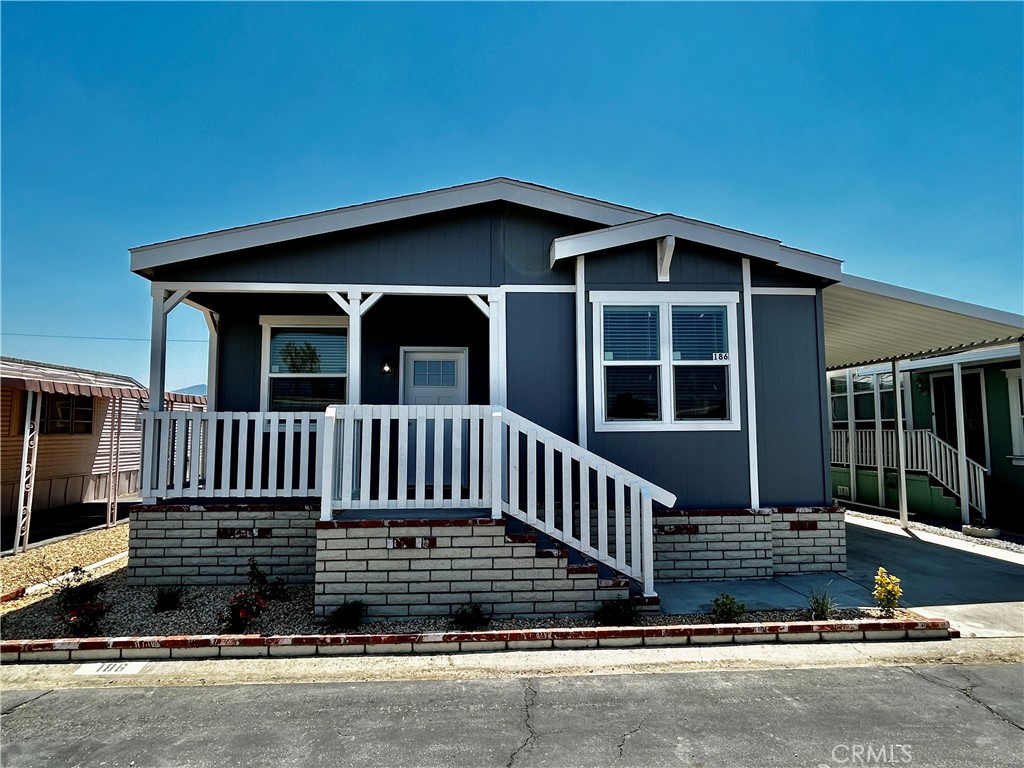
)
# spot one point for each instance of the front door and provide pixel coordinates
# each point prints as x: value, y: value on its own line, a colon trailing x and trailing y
x: 944, y: 412
x: 436, y: 376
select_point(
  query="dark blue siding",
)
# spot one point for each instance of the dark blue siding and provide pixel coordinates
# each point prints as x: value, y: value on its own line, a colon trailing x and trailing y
x: 694, y: 268
x: 789, y: 380
x: 541, y: 344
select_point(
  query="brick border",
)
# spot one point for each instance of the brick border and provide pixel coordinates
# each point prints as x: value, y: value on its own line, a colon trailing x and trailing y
x: 226, y: 646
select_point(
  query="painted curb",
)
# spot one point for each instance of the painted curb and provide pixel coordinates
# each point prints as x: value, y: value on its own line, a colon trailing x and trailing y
x: 226, y: 646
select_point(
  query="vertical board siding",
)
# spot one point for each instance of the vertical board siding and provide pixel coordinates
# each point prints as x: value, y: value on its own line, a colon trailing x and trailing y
x: 541, y: 360
x: 789, y: 382
x: 694, y: 268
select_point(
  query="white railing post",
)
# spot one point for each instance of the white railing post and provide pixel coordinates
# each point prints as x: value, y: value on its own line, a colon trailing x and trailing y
x: 497, y: 470
x: 647, y: 525
x: 327, y: 467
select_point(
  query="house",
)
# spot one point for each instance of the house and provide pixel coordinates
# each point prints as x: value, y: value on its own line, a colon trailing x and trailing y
x: 499, y: 393
x: 68, y: 435
x: 991, y: 426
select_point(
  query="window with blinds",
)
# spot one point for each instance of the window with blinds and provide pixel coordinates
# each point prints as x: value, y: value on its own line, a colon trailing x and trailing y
x: 307, y: 368
x: 668, y: 363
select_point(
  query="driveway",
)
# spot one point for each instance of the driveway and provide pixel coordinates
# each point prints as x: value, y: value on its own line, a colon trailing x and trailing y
x: 981, y: 595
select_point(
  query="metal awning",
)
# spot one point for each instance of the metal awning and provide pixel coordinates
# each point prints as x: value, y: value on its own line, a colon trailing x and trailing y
x: 870, y: 322
x: 33, y: 376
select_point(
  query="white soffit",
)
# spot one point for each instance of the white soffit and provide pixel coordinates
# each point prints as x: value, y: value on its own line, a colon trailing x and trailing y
x: 670, y: 225
x: 381, y: 211
x: 868, y: 321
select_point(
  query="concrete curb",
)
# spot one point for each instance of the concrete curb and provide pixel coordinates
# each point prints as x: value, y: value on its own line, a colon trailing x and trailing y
x: 227, y: 646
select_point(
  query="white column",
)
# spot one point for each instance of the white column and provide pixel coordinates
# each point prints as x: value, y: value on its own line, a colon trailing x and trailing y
x: 27, y: 475
x: 901, y: 449
x: 355, y: 350
x: 494, y: 350
x: 852, y: 435
x: 961, y: 444
x: 157, y: 351
x: 748, y: 349
x: 879, y: 462
x: 213, y: 325
x: 581, y: 353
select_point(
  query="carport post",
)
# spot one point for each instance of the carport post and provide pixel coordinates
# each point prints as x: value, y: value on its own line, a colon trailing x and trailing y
x: 851, y: 434
x: 29, y: 449
x: 901, y: 448
x: 961, y: 444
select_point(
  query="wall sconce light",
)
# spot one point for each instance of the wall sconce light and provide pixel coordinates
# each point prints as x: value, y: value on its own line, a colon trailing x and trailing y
x: 386, y: 367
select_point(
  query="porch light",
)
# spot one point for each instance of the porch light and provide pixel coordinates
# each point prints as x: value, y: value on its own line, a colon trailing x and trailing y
x: 385, y: 366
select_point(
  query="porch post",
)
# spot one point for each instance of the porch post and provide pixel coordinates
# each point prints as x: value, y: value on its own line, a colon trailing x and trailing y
x: 213, y: 325
x: 355, y: 349
x: 29, y: 449
x: 961, y: 444
x: 157, y: 351
x: 879, y: 459
x: 851, y: 435
x: 496, y: 343
x: 901, y: 448
x: 748, y: 363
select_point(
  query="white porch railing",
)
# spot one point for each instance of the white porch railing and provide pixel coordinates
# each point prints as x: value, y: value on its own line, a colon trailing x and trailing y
x: 925, y: 452
x: 230, y: 455
x: 472, y: 457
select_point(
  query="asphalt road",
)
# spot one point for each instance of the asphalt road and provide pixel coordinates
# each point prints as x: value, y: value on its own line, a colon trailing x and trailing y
x: 923, y: 715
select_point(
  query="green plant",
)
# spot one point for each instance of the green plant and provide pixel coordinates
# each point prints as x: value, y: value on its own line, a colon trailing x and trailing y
x: 270, y: 590
x: 243, y: 609
x: 887, y: 593
x: 470, y: 618
x: 616, y: 613
x: 347, y: 616
x: 168, y: 599
x: 821, y: 604
x: 80, y: 607
x: 726, y: 609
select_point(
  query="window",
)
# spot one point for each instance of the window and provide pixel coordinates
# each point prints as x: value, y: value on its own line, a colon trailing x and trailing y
x: 66, y: 414
x: 863, y: 400
x: 665, y: 361
x: 1016, y: 393
x: 305, y: 362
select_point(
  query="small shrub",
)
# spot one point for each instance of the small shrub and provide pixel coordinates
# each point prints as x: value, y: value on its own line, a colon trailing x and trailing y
x: 168, y: 599
x: 271, y: 590
x: 887, y: 593
x: 726, y: 609
x: 821, y: 604
x: 616, y: 613
x: 243, y: 609
x: 470, y: 618
x: 347, y: 616
x: 79, y: 600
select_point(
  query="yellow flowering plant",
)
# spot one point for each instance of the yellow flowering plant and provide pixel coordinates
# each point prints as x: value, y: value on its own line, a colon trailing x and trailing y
x: 887, y: 592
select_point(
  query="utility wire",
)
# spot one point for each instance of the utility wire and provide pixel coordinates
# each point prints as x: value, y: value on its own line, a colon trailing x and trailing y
x: 99, y: 338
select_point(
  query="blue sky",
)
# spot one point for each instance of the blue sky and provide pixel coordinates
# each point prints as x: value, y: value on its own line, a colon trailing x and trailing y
x: 890, y: 136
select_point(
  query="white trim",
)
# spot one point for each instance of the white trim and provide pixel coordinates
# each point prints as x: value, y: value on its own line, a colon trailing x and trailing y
x: 336, y: 297
x: 748, y: 349
x: 350, y: 217
x: 666, y: 247
x: 493, y: 352
x: 479, y: 304
x: 174, y: 300
x: 664, y: 299
x: 987, y: 355
x: 581, y: 353
x: 354, y: 366
x: 525, y: 288
x: 157, y: 350
x: 213, y: 326
x: 901, y: 448
x: 369, y: 301
x: 961, y: 444
x: 1013, y: 378
x: 766, y: 291
x: 329, y: 288
x: 503, y: 351
x: 464, y: 357
x: 984, y: 405
x: 267, y: 322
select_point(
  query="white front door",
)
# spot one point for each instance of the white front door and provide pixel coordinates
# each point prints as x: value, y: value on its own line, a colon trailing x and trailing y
x: 434, y: 376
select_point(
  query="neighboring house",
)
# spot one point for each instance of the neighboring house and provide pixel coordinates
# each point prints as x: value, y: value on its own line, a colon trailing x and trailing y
x: 88, y: 441
x: 992, y: 429
x: 500, y: 393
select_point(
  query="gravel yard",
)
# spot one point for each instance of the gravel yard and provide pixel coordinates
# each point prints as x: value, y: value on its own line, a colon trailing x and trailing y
x: 42, y: 563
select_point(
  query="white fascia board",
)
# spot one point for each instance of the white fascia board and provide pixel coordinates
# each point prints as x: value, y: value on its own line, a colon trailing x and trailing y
x: 669, y: 225
x: 350, y: 217
x: 934, y: 301
x: 1001, y: 353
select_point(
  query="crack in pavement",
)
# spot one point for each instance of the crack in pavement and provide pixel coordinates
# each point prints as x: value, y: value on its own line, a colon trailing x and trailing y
x: 529, y: 697
x: 968, y: 691
x: 627, y: 734
x: 29, y: 701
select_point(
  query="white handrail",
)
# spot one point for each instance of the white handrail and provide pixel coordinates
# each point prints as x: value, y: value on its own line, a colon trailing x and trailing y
x: 925, y: 452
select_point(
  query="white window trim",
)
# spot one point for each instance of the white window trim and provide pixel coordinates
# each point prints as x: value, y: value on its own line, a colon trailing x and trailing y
x: 267, y: 322
x: 1013, y: 377
x: 666, y: 299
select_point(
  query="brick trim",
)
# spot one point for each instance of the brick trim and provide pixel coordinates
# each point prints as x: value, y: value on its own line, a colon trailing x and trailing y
x: 96, y: 648
x: 803, y: 525
x: 200, y: 506
x: 440, y: 522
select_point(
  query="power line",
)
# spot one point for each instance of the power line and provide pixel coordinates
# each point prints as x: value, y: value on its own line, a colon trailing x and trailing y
x: 98, y: 338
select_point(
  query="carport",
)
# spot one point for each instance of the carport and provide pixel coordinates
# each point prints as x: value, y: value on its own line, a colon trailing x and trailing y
x: 869, y: 322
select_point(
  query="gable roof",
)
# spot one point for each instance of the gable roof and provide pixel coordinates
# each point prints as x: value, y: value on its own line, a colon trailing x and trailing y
x: 378, y: 212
